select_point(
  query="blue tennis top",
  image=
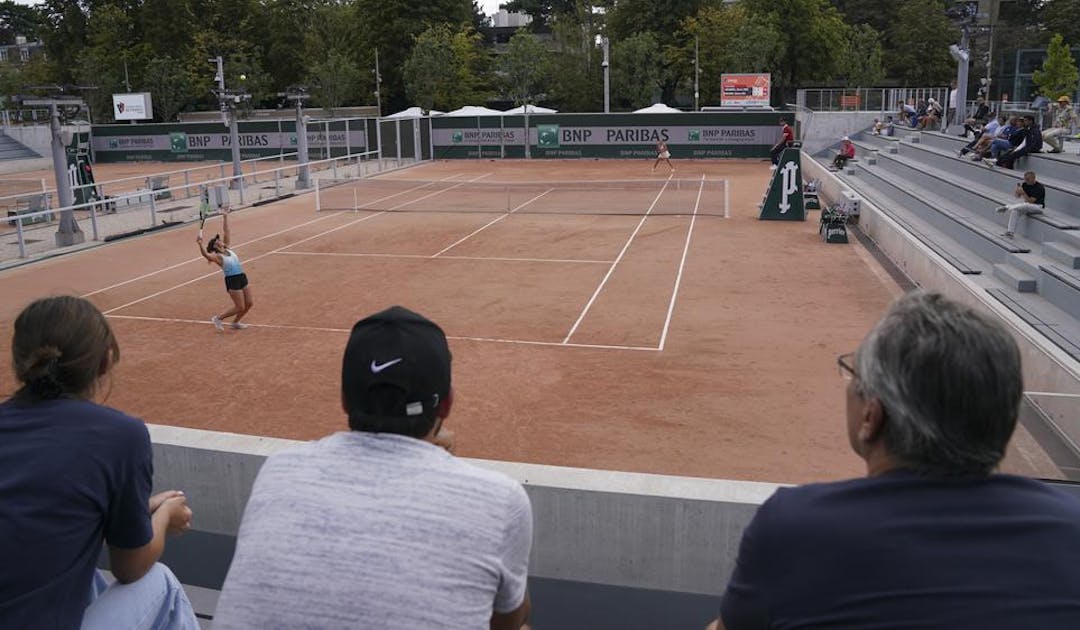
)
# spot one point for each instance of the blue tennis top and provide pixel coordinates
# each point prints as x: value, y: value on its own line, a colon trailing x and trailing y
x: 230, y: 264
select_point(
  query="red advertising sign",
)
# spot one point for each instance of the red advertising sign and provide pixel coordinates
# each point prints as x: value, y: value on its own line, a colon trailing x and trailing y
x: 750, y: 90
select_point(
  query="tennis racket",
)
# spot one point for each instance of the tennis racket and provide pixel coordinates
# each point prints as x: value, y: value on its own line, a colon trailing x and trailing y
x: 204, y: 212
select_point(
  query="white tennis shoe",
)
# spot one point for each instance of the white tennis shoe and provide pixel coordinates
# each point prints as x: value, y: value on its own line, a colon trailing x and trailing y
x: 239, y: 326
x: 216, y: 321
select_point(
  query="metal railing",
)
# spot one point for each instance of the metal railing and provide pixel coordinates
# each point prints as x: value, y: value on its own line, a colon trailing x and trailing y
x: 884, y: 100
x: 143, y: 209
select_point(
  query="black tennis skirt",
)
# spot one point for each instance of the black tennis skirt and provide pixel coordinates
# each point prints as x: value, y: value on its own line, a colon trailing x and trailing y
x: 236, y: 283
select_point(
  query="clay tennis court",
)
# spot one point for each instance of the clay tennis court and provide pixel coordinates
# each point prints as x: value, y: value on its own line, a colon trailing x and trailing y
x: 675, y: 343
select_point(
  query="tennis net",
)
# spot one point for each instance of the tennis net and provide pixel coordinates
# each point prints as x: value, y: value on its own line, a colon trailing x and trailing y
x: 612, y: 197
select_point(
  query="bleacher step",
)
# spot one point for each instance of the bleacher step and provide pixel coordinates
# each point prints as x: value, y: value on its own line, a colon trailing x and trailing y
x: 1063, y: 253
x: 1015, y: 278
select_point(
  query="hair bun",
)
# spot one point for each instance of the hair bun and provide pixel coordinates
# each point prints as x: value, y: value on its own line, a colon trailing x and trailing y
x: 42, y: 373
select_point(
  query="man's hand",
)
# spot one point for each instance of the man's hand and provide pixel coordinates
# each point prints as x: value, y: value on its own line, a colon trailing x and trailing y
x: 445, y: 439
x: 198, y: 239
x: 161, y: 497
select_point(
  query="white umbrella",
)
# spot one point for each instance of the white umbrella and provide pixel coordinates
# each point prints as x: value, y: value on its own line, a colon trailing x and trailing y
x: 472, y: 110
x: 658, y: 108
x: 413, y: 112
x: 533, y: 109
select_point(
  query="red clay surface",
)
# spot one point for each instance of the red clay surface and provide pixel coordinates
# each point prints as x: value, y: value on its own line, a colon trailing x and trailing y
x: 745, y: 386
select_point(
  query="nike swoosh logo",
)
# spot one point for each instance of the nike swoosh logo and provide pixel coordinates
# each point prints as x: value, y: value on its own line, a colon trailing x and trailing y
x: 379, y: 367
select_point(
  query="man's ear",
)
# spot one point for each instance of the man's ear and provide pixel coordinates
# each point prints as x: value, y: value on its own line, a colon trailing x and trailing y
x: 446, y: 404
x: 872, y: 424
x: 344, y: 405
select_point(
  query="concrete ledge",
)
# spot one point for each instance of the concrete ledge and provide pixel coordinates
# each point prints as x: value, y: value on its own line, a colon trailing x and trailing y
x: 636, y: 530
x: 1016, y: 279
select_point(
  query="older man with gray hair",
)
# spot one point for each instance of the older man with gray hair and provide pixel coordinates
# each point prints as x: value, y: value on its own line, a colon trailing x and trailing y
x: 932, y: 537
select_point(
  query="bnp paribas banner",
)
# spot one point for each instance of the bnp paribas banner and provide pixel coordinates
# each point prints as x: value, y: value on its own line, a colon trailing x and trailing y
x: 705, y: 139
x: 212, y: 142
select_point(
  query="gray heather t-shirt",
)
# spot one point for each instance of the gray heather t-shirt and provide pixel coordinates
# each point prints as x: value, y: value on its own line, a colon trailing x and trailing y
x: 363, y: 530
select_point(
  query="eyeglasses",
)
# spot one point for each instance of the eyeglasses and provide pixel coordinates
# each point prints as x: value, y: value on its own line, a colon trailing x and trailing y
x: 844, y: 362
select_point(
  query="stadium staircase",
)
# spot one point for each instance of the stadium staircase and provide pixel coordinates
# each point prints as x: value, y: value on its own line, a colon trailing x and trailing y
x: 11, y: 149
x: 949, y: 202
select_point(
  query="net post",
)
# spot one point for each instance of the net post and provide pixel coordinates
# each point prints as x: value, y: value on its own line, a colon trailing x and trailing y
x: 727, y: 200
x: 355, y: 201
x: 21, y: 239
x: 318, y: 200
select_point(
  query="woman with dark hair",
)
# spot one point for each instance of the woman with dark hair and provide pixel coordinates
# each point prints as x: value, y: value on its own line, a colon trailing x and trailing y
x: 236, y: 282
x: 76, y: 474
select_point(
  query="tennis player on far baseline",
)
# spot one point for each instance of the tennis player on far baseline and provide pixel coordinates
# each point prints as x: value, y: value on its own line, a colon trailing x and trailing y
x: 236, y: 282
x: 662, y: 153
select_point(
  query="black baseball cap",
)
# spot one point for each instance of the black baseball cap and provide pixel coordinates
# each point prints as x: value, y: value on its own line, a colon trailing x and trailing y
x: 396, y: 365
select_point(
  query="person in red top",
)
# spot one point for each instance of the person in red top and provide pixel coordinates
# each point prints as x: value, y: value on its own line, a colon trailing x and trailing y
x: 787, y: 138
x: 847, y: 151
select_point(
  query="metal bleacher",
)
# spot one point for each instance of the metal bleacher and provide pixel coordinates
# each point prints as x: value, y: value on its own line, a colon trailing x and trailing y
x: 11, y: 149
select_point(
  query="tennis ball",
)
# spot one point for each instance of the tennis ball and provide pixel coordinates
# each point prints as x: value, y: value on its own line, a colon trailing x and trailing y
x: 243, y: 77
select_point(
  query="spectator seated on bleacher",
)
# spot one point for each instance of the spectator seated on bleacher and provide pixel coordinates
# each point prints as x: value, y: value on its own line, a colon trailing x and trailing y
x: 76, y: 475
x: 931, y: 537
x: 847, y: 152
x: 1032, y: 197
x: 1064, y: 124
x: 1010, y: 136
x: 981, y: 144
x: 380, y: 526
x: 886, y: 128
x: 1030, y: 143
x: 907, y: 113
x: 931, y: 117
x: 980, y: 118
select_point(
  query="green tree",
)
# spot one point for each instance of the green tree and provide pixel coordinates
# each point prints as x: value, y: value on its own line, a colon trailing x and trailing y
x: 635, y: 70
x: 429, y: 68
x: 16, y: 19
x: 543, y: 12
x: 335, y: 81
x: 112, y: 40
x: 1061, y: 17
x: 576, y: 83
x: 864, y: 57
x: 64, y: 36
x: 664, y: 21
x: 391, y: 26
x: 524, y: 68
x: 472, y: 70
x: 168, y: 27
x: 168, y: 82
x: 813, y: 41
x: 1058, y: 75
x: 919, y: 44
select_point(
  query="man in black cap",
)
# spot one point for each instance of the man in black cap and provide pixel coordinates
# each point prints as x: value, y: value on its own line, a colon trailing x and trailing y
x: 379, y: 527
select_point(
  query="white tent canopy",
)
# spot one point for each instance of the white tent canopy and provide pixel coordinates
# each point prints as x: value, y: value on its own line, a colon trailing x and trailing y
x: 413, y: 112
x: 472, y: 110
x: 533, y: 109
x: 658, y: 108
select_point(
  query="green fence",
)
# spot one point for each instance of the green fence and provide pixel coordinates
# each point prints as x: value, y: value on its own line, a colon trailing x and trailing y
x: 181, y: 142
x: 632, y: 136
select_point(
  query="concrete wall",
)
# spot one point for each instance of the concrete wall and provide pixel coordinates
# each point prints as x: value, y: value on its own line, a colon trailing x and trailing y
x: 822, y: 129
x: 35, y: 137
x: 620, y: 529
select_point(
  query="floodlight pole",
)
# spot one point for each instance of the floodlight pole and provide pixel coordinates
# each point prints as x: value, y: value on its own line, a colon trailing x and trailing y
x: 228, y: 103
x: 606, y: 64
x: 303, y: 171
x: 68, y: 232
x: 697, y: 72
x: 962, y: 63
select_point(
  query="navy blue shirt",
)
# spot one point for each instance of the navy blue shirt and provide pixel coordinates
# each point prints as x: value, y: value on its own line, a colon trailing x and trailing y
x: 72, y: 474
x: 903, y: 551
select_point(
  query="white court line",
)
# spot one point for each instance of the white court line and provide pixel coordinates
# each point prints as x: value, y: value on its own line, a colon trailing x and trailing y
x: 255, y: 240
x: 490, y: 223
x: 616, y: 262
x: 682, y: 263
x: 278, y: 250
x: 524, y: 342
x: 426, y: 257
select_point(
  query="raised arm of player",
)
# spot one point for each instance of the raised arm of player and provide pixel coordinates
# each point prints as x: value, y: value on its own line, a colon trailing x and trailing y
x: 225, y: 225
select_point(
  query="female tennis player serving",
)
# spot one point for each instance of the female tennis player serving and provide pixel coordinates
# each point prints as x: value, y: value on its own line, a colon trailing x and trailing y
x: 662, y: 153
x: 236, y: 282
